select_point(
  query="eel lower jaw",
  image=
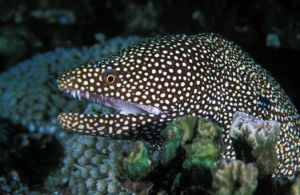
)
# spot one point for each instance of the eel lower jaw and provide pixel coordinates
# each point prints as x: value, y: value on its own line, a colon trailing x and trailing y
x: 124, y: 107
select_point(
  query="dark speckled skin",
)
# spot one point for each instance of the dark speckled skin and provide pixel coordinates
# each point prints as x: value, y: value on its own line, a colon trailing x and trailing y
x: 154, y: 82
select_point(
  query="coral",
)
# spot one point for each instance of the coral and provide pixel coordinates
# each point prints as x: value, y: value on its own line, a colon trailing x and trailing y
x: 189, y: 160
x: 199, y: 138
x: 190, y: 146
x: 234, y: 177
x: 11, y: 184
x: 204, y: 147
x: 260, y: 139
x: 89, y: 165
x: 29, y: 97
x: 29, y: 93
x: 172, y: 135
x: 137, y: 164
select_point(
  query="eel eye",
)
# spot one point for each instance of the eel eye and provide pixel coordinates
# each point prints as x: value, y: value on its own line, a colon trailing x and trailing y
x: 110, y: 77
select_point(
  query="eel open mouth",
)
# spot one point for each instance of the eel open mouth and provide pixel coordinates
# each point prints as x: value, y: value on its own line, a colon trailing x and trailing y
x: 126, y: 123
x: 122, y: 106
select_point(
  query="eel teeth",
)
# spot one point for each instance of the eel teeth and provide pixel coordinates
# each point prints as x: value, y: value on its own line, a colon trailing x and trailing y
x: 87, y: 95
x: 78, y: 94
x: 73, y: 93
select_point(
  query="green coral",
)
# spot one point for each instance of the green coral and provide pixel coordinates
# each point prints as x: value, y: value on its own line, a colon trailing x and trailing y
x: 189, y: 159
x: 199, y: 138
x: 190, y: 146
x: 137, y: 164
x: 234, y: 177
x: 172, y: 135
x: 201, y: 153
x: 203, y: 150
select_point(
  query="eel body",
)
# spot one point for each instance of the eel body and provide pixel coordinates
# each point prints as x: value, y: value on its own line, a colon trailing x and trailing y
x: 154, y: 82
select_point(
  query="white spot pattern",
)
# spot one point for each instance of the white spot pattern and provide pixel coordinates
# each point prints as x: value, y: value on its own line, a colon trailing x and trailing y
x: 203, y: 75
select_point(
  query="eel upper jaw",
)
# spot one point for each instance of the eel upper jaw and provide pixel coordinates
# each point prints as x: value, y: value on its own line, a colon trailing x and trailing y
x: 124, y: 107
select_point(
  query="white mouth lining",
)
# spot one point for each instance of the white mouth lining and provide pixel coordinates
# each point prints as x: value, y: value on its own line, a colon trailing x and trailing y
x: 125, y: 107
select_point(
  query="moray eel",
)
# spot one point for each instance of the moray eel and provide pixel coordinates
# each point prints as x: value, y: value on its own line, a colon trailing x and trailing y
x: 154, y: 82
